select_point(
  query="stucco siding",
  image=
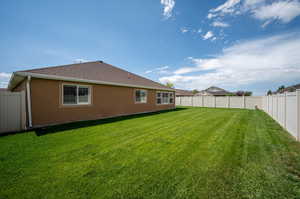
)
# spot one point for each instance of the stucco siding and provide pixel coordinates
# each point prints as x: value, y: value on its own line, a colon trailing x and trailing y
x: 106, y: 101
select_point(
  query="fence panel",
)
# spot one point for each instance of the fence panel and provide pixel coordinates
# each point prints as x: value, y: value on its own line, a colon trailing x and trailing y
x: 252, y: 102
x: 274, y: 108
x: 178, y: 101
x: 285, y: 109
x: 270, y: 105
x: 198, y: 101
x: 208, y: 101
x: 281, y: 110
x: 236, y: 102
x: 12, y: 111
x: 291, y: 113
x: 222, y: 102
x: 186, y: 101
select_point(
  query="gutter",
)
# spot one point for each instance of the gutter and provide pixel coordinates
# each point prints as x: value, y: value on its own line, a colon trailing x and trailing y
x: 55, y: 77
x: 29, y: 101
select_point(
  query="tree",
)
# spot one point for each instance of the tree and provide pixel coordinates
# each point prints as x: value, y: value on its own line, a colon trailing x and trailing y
x: 280, y: 89
x: 239, y: 93
x: 243, y: 93
x: 195, y: 91
x: 170, y: 85
x: 248, y: 93
x: 269, y: 92
x: 231, y: 94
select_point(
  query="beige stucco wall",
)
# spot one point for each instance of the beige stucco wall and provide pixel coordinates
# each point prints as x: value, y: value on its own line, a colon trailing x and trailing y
x: 106, y: 101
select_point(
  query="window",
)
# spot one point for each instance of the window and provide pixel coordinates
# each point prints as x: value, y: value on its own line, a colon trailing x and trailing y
x: 76, y: 94
x: 164, y: 98
x: 70, y: 94
x: 171, y: 98
x: 158, y: 98
x: 140, y: 96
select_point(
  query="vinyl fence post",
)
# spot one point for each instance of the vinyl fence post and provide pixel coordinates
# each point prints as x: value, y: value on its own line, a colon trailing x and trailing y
x: 215, y: 101
x: 228, y: 101
x: 202, y: 101
x: 278, y: 95
x: 284, y: 114
x: 298, y: 113
x: 244, y: 103
x: 273, y: 111
x: 192, y: 100
x: 268, y: 104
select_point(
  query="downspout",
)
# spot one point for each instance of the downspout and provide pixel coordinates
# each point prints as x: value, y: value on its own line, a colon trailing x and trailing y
x: 29, y: 101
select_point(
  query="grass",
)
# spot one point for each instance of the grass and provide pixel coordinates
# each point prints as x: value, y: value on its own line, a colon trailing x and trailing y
x: 186, y: 153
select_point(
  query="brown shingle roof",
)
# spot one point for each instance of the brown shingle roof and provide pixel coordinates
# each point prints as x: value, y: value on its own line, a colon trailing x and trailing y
x: 98, y: 71
x: 179, y: 92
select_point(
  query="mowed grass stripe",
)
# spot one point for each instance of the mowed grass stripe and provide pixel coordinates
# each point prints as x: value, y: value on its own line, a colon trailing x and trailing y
x: 188, y: 153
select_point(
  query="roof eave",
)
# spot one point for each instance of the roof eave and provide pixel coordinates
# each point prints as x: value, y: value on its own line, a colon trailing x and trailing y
x: 14, y: 81
x: 71, y: 79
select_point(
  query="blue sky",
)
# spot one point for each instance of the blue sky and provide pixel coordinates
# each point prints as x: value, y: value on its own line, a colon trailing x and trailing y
x: 234, y: 44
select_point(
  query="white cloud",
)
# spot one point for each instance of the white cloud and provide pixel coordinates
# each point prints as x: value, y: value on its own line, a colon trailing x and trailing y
x: 267, y: 60
x: 227, y: 7
x: 184, y: 30
x: 220, y: 24
x: 284, y: 11
x: 253, y: 2
x: 159, y: 70
x: 210, y: 16
x: 208, y: 35
x: 4, y: 79
x: 263, y: 10
x: 168, y: 7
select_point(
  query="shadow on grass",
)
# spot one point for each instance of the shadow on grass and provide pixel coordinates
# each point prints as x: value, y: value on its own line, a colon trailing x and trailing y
x: 82, y: 124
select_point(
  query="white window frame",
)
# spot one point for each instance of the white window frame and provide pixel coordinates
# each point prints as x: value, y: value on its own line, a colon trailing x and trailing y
x: 161, y: 97
x: 77, y: 94
x: 141, y: 102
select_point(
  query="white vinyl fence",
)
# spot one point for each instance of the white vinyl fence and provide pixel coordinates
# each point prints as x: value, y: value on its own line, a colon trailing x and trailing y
x: 250, y: 102
x: 285, y: 109
x: 12, y: 111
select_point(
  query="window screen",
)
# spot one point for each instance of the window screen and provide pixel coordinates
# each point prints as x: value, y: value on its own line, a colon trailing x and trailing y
x: 76, y: 94
x: 70, y: 94
x: 141, y: 96
x: 83, y: 94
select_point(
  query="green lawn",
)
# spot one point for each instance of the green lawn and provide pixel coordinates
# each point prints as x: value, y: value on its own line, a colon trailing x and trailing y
x: 187, y: 153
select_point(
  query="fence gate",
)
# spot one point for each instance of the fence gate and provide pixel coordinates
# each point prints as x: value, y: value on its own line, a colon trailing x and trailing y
x: 12, y: 111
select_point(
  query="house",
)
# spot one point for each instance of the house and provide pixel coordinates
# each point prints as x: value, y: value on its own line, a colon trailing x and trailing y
x: 87, y: 91
x: 292, y: 88
x: 180, y: 93
x: 214, y: 91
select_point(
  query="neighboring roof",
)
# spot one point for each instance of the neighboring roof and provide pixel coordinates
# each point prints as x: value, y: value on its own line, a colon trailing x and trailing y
x: 96, y: 72
x: 291, y: 88
x: 179, y: 92
x: 3, y: 89
x: 213, y: 90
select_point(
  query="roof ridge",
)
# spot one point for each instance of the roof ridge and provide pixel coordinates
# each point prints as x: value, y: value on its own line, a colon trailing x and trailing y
x: 136, y: 75
x: 58, y: 66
